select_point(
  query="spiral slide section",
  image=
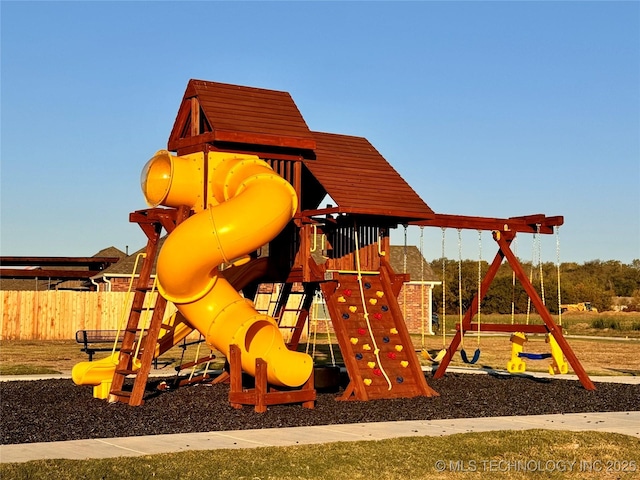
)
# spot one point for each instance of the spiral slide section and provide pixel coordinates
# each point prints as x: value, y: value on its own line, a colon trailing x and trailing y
x: 250, y: 204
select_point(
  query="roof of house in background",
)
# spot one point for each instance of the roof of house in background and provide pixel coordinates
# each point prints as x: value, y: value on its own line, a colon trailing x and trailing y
x: 416, y: 265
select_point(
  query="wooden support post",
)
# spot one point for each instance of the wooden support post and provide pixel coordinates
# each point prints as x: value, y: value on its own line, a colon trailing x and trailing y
x: 263, y: 395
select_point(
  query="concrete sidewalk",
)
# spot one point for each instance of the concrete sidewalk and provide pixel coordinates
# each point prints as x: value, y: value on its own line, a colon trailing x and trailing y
x: 627, y: 423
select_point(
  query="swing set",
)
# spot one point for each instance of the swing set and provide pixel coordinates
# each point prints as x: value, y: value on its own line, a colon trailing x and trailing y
x: 504, y: 233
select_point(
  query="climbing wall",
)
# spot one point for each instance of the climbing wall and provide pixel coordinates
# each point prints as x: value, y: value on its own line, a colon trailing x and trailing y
x: 375, y: 343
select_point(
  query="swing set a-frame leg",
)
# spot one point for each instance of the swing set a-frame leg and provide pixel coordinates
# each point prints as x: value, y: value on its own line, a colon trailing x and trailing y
x: 504, y: 240
x: 554, y: 329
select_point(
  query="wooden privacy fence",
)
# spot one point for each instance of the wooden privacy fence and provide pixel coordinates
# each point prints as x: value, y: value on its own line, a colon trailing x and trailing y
x: 57, y: 314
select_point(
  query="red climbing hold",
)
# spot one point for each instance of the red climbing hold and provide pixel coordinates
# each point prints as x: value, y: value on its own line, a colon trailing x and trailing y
x: 362, y: 331
x: 377, y: 316
x: 347, y: 292
x: 377, y: 371
x: 392, y: 355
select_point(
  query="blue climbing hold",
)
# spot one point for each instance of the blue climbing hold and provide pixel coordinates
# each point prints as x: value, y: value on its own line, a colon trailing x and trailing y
x: 367, y: 285
x: 399, y: 379
x: 384, y: 308
x: 358, y: 356
x: 345, y: 316
x: 385, y: 339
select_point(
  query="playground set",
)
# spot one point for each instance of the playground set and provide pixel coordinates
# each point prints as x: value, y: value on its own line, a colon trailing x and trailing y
x: 240, y: 202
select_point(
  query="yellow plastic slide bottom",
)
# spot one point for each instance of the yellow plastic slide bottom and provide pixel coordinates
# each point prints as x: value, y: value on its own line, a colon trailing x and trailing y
x: 227, y: 319
x: 99, y: 374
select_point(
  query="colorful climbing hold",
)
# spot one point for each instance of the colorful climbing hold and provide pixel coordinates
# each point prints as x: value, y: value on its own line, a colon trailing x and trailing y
x: 385, y: 339
x: 367, y: 285
x: 371, y: 364
x: 345, y: 316
x: 404, y: 364
x: 347, y: 292
x: 380, y: 294
x: 353, y: 309
x: 393, y: 331
x: 362, y: 331
x: 392, y: 355
x: 358, y: 356
x: 367, y: 381
x: 399, y: 379
x: 384, y: 308
x: 354, y: 340
x: 399, y: 348
x: 373, y: 301
x: 366, y: 346
x: 377, y: 371
x: 341, y: 299
x: 377, y: 316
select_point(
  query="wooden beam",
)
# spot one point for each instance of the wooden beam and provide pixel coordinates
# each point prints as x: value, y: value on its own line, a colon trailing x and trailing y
x: 538, y: 223
x: 47, y: 273
x: 56, y: 261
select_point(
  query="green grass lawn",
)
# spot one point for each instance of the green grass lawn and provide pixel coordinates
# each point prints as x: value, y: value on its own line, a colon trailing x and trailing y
x: 502, y: 454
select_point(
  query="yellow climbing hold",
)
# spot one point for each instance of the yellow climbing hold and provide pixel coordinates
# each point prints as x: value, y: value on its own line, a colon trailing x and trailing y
x: 367, y: 381
x: 371, y: 364
x: 353, y: 309
x: 373, y: 301
x: 341, y: 299
x: 354, y: 340
x: 380, y: 294
x: 393, y: 331
x: 399, y: 348
x: 366, y: 346
x: 404, y: 364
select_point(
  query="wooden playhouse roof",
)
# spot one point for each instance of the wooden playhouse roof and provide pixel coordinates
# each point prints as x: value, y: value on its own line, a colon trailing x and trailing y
x: 219, y: 116
x: 360, y: 180
x: 213, y: 112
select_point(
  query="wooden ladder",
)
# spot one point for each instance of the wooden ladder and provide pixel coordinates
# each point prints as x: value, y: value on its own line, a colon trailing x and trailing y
x: 301, y: 311
x: 152, y: 222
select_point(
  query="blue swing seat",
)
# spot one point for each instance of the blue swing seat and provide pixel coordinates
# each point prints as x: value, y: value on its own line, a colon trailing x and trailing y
x: 474, y: 359
x: 534, y: 356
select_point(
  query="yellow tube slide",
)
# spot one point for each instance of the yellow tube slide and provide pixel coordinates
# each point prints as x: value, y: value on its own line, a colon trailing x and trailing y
x: 250, y: 204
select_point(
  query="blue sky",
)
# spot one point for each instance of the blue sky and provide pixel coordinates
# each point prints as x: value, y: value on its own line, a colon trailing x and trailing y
x: 487, y: 108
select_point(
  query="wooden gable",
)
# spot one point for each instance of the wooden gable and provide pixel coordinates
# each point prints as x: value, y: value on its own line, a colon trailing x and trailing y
x: 361, y: 181
x: 213, y: 112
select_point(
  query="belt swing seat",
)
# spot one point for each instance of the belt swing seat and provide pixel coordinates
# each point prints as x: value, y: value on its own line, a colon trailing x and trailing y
x: 518, y: 339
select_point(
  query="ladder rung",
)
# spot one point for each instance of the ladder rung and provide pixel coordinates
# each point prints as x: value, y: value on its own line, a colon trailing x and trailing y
x: 120, y: 393
x: 125, y: 372
x: 184, y: 366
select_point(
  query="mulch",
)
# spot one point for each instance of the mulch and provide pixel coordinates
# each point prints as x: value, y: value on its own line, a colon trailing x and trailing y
x: 55, y: 410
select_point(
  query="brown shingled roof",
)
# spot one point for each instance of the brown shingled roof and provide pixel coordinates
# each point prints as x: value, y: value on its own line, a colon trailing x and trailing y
x: 239, y: 114
x: 360, y: 180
